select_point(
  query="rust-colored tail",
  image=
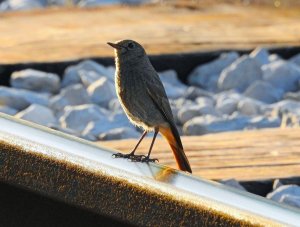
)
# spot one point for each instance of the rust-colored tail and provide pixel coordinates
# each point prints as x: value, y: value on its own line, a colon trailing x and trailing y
x: 172, y: 135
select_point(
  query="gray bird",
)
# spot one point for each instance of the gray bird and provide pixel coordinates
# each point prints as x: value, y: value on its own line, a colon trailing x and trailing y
x: 144, y: 100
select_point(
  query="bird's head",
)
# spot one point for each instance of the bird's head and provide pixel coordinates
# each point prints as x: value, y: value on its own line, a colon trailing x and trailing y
x: 128, y: 50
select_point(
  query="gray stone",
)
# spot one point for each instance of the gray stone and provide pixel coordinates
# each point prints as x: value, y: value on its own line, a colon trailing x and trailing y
x: 274, y: 57
x: 187, y: 113
x: 207, y: 75
x: 8, y: 110
x: 104, y: 125
x: 248, y: 106
x: 290, y: 200
x: 174, y: 88
x: 70, y: 96
x: 261, y: 55
x: 194, y: 92
x: 295, y: 59
x: 88, y: 77
x: 264, y: 92
x: 114, y: 105
x: 240, y: 74
x: 233, y: 184
x: 287, y: 106
x: 292, y: 96
x: 38, y: 114
x: 35, y: 80
x: 21, y: 5
x: 78, y: 117
x: 102, y: 91
x: 119, y: 133
x: 181, y: 102
x: 276, y: 195
x: 277, y: 183
x: 227, y: 107
x: 211, y: 124
x: 205, y: 101
x: 72, y: 73
x: 282, y: 74
x: 263, y: 122
x: 19, y: 98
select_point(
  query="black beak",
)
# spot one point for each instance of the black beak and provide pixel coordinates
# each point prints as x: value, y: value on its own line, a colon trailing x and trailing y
x: 116, y: 46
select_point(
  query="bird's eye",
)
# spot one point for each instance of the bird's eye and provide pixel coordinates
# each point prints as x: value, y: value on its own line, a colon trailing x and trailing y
x: 130, y: 45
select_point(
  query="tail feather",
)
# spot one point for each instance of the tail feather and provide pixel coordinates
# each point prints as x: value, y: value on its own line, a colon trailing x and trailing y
x: 173, y: 139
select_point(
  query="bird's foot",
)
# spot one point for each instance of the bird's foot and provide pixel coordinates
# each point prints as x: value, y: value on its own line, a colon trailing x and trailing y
x: 131, y: 156
x: 148, y: 159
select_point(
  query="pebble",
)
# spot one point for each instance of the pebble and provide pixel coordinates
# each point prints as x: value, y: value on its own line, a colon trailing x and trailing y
x: 72, y: 73
x: 278, y: 193
x: 233, y: 184
x: 78, y: 117
x: 19, y: 99
x: 38, y: 114
x: 260, y: 55
x: 282, y: 74
x: 240, y: 74
x: 70, y: 96
x: 102, y: 92
x: 8, y: 110
x: 264, y: 92
x: 35, y: 80
x: 119, y: 133
x: 206, y: 75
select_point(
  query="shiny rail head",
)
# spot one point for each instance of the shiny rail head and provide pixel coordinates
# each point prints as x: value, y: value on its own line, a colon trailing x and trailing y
x: 83, y: 174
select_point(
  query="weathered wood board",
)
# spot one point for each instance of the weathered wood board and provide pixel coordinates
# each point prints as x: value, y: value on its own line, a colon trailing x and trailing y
x: 247, y: 155
x: 72, y: 33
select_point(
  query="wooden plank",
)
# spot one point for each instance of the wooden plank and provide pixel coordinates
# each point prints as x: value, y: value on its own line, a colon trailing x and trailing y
x: 246, y: 155
x: 71, y: 33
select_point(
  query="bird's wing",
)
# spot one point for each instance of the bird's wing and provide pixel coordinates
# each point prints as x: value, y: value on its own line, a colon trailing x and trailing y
x: 159, y: 97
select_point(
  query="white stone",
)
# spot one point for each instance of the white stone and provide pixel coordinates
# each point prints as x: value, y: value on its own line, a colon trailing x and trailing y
x: 174, y: 88
x: 261, y: 55
x: 72, y: 75
x: 233, y: 183
x: 248, y: 106
x: 114, y: 105
x: 19, y: 98
x: 104, y: 125
x: 35, y: 80
x: 292, y: 96
x: 263, y: 122
x: 277, y: 183
x: 187, y: 113
x: 102, y: 91
x: 282, y: 74
x: 240, y: 74
x: 227, y: 106
x: 290, y: 200
x: 21, y: 5
x: 295, y: 59
x: 38, y: 114
x: 211, y: 124
x: 8, y: 110
x: 70, y: 96
x: 277, y: 194
x: 205, y: 101
x: 287, y: 106
x: 207, y: 75
x: 88, y: 77
x: 193, y: 93
x: 119, y: 133
x: 264, y: 92
x: 78, y: 117
x: 274, y: 57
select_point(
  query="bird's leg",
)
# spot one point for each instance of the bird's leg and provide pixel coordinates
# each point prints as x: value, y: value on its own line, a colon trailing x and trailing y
x: 147, y: 158
x: 131, y: 155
